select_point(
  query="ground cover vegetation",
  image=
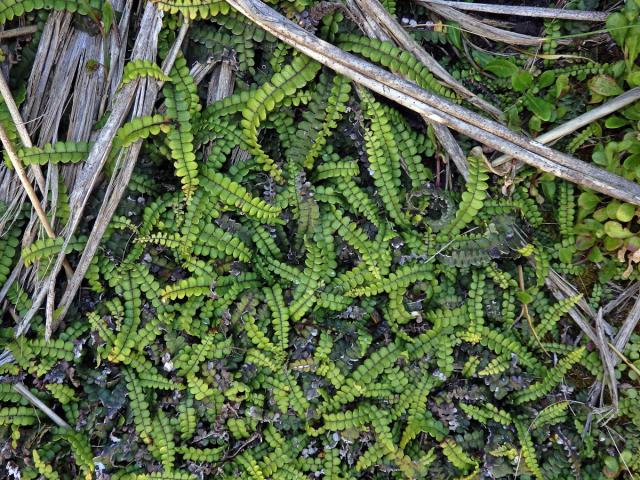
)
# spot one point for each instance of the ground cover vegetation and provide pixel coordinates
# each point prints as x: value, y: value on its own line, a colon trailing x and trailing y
x: 297, y: 281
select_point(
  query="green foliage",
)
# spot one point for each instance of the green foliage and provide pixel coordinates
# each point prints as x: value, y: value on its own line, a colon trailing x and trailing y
x: 282, y: 85
x: 297, y: 283
x: 142, y: 68
x: 191, y: 9
x: 15, y: 8
x: 60, y: 152
x: 179, y: 99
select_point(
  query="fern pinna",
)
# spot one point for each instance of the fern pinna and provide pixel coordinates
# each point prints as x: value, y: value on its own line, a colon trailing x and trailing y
x: 295, y: 295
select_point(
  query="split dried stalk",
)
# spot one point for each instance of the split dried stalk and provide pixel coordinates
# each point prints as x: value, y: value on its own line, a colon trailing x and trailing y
x: 18, y: 32
x: 608, y: 361
x: 536, y: 12
x: 629, y: 293
x: 438, y: 109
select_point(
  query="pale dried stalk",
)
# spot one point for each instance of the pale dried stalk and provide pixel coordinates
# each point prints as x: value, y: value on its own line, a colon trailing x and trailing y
x: 536, y: 12
x: 36, y: 402
x: 26, y: 183
x: 620, y: 342
x: 583, y: 120
x: 440, y: 110
x: 18, y: 32
x: 621, y: 357
x: 22, y: 131
x: 629, y: 293
x: 608, y: 361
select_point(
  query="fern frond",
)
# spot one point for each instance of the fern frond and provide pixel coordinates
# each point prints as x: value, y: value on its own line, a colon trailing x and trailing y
x: 384, y: 160
x: 142, y: 68
x: 47, y: 247
x: 473, y: 198
x: 140, y: 128
x: 59, y: 152
x: 456, y: 455
x: 283, y: 84
x: 235, y: 195
x: 193, y: 9
x: 551, y: 415
x: 528, y: 450
x: 487, y: 412
x: 551, y: 380
x: 397, y: 60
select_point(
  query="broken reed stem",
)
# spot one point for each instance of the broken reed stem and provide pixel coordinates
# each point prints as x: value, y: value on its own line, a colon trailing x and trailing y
x: 608, y: 362
x: 438, y: 109
x: 580, y: 121
x: 36, y: 402
x: 26, y: 184
x: 18, y: 32
x: 7, y: 96
x: 536, y: 12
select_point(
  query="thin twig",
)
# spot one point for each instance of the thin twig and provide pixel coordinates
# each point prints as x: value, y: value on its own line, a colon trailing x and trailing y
x: 36, y: 402
x: 7, y: 96
x: 476, y: 27
x: 621, y: 356
x: 537, y: 12
x: 18, y: 32
x: 26, y: 183
x: 583, y: 120
x: 525, y: 310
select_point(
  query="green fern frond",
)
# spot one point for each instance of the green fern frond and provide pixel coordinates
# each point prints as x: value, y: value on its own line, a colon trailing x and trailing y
x: 142, y: 68
x: 140, y: 128
x: 235, y: 195
x: 181, y: 104
x: 59, y: 152
x: 193, y: 9
x: 283, y: 84
x: 474, y: 196
x: 48, y: 247
x: 384, y: 159
x: 551, y: 380
x: 398, y: 60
